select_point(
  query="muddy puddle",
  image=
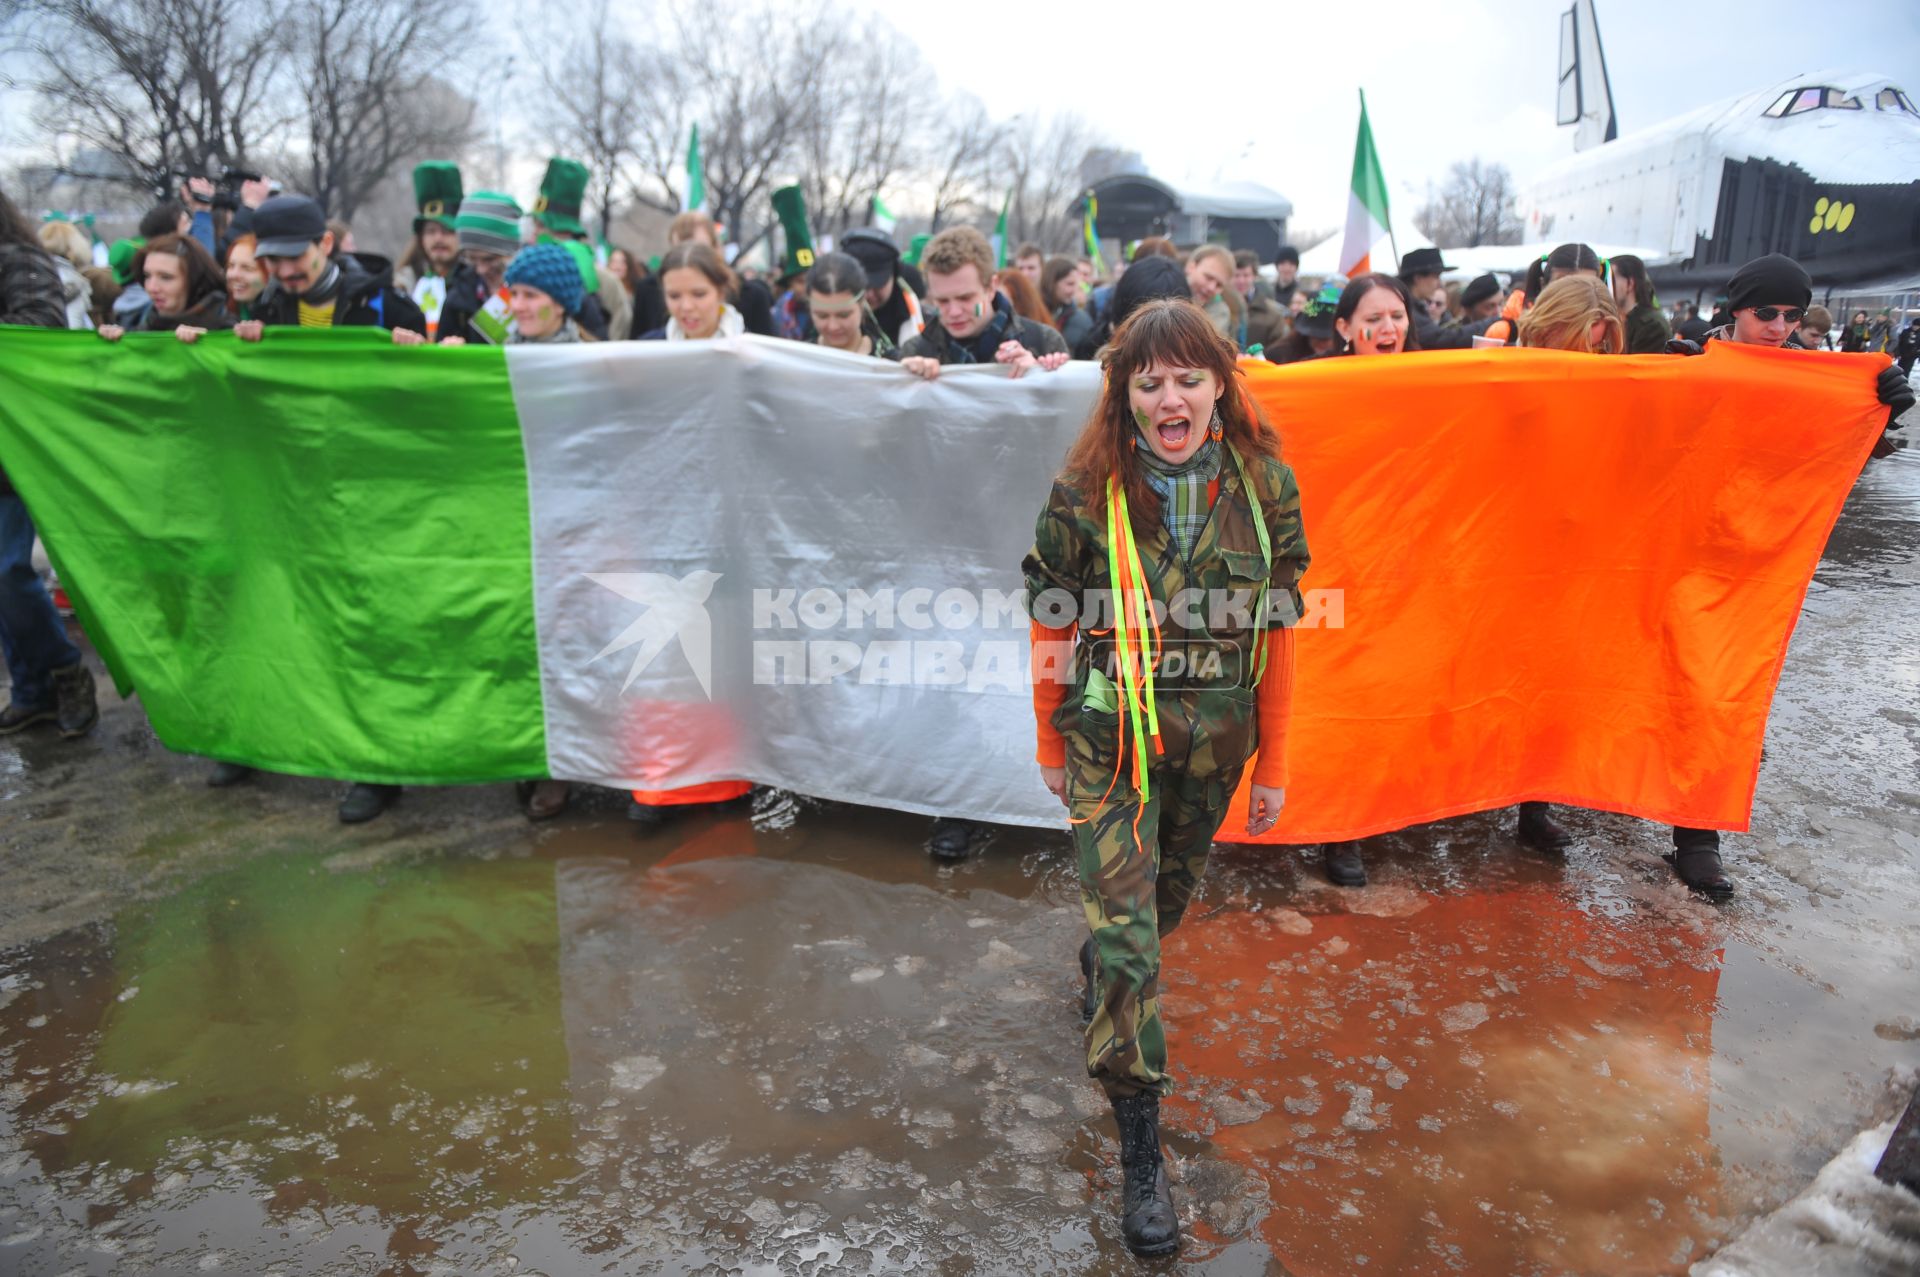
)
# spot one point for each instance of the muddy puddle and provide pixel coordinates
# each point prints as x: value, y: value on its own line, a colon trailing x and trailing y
x: 783, y: 1041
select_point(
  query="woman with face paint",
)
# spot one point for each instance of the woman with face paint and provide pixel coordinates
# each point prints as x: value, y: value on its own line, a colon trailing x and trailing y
x: 1165, y: 571
x: 696, y: 284
x: 1374, y: 316
x: 837, y: 306
x: 544, y: 295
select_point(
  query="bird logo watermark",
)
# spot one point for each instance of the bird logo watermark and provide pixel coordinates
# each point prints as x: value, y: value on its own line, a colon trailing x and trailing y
x: 675, y: 609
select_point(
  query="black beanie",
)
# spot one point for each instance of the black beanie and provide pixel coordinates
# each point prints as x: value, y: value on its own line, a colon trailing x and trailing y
x: 1148, y: 280
x: 1773, y: 280
x: 1478, y: 291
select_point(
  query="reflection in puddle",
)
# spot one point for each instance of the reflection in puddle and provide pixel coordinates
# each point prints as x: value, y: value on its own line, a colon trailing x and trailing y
x: 737, y: 1055
x: 1487, y: 1083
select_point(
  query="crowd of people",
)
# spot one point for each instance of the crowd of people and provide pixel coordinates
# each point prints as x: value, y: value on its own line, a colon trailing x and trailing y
x: 1174, y: 481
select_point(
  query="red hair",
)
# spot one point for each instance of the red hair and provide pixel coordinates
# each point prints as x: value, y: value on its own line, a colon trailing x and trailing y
x: 1024, y: 296
x: 1167, y: 331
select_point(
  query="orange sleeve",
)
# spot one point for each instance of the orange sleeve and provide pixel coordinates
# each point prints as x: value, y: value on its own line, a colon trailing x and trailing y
x: 1273, y: 708
x: 1052, y: 668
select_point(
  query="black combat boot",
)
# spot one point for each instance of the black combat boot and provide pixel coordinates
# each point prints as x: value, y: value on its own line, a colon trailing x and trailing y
x: 1089, y: 995
x: 1147, y: 1218
x: 1696, y: 859
x: 75, y: 707
x: 364, y: 802
x: 1539, y: 830
x: 647, y: 817
x: 1344, y: 866
x: 952, y: 838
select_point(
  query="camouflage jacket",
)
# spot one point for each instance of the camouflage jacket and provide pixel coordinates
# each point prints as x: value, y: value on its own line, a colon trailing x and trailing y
x: 1204, y: 674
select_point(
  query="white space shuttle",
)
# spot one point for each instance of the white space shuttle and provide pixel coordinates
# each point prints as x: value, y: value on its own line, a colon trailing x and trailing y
x: 1824, y: 167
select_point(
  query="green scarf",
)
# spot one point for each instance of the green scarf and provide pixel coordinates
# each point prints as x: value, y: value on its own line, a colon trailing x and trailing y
x: 1183, y: 492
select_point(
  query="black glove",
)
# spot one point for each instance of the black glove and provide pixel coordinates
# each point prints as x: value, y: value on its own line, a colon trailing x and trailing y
x: 1894, y: 392
x: 1681, y: 346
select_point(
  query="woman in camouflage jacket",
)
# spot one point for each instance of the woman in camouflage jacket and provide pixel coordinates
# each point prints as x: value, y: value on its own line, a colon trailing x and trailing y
x: 1175, y: 497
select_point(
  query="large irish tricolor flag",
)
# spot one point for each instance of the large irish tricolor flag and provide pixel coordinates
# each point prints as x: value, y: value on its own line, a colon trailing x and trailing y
x: 1366, y: 205
x: 651, y: 564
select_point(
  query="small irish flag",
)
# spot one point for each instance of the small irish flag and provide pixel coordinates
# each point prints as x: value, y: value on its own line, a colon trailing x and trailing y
x: 883, y: 216
x: 696, y: 200
x: 1000, y: 246
x: 1366, y: 204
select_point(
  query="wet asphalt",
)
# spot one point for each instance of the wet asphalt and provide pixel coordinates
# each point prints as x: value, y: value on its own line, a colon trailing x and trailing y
x: 236, y: 1036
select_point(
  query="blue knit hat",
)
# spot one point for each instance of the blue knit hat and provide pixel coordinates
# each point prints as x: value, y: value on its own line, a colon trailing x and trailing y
x: 551, y: 269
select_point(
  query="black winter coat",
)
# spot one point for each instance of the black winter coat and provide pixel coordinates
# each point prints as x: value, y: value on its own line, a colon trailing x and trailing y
x: 30, y: 293
x: 367, y: 299
x: 934, y: 343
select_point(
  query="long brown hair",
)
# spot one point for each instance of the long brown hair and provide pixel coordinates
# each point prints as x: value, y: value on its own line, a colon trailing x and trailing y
x: 1171, y: 332
x: 694, y: 254
x: 1024, y: 296
x: 1055, y: 270
x: 203, y: 275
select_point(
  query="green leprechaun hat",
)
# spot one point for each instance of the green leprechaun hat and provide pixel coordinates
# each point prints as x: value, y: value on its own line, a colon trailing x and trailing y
x: 436, y: 193
x: 562, y: 191
x: 790, y: 206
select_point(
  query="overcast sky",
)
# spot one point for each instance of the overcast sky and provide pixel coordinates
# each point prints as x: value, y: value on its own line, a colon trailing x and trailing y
x: 1268, y: 90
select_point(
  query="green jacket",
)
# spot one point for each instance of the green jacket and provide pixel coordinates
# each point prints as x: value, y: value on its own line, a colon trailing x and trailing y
x: 1647, y: 331
x: 1208, y: 658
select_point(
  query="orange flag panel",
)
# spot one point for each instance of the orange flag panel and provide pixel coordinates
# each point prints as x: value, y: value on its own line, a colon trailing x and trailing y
x: 1544, y: 575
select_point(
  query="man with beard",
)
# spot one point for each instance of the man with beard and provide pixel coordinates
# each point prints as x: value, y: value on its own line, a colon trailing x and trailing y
x: 312, y: 287
x: 434, y: 255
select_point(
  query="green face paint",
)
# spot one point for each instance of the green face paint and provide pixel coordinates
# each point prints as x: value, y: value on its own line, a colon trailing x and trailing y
x: 1142, y: 419
x: 546, y: 313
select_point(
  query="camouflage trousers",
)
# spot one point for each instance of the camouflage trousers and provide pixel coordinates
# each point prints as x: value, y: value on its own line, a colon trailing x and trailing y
x: 1135, y: 889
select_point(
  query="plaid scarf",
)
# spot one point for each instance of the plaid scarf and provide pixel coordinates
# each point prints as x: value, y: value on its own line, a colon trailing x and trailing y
x: 1183, y: 492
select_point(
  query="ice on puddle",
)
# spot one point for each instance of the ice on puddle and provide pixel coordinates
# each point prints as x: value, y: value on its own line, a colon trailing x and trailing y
x: 1463, y: 1018
x: 1039, y: 1106
x: 1290, y: 922
x: 635, y: 1072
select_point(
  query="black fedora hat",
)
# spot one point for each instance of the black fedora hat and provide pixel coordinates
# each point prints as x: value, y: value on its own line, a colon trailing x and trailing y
x: 1422, y: 261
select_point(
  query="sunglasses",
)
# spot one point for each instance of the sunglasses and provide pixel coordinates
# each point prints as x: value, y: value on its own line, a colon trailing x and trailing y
x: 1767, y: 314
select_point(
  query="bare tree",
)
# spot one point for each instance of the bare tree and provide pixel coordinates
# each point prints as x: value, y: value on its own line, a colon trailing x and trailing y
x: 865, y: 131
x: 754, y: 89
x: 1044, y: 165
x: 162, y: 86
x: 591, y: 75
x: 965, y: 151
x: 1475, y: 207
x: 370, y: 105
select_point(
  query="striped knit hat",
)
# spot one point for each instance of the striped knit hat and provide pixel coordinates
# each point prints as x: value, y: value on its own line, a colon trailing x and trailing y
x: 489, y: 222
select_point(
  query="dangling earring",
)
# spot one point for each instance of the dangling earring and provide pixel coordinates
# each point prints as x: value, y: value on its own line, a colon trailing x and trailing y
x: 1134, y: 439
x: 1214, y: 428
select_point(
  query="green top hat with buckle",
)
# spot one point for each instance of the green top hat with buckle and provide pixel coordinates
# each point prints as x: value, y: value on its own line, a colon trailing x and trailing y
x: 562, y: 191
x: 436, y: 193
x: 790, y: 206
